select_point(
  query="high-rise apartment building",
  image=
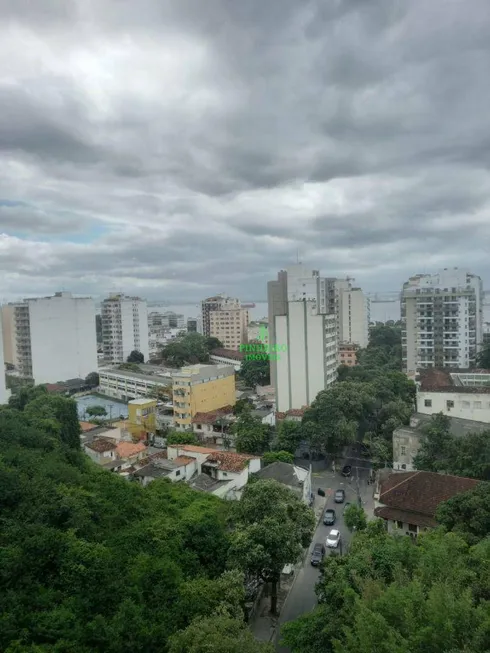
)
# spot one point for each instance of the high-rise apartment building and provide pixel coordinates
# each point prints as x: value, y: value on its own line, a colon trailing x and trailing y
x: 201, y: 389
x: 124, y: 327
x: 4, y: 393
x: 442, y: 320
x: 51, y: 339
x: 225, y: 319
x: 300, y: 325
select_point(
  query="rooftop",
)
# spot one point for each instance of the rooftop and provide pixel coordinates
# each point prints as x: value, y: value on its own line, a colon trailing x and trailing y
x: 212, y: 416
x: 192, y: 448
x: 458, y: 427
x: 87, y: 426
x: 454, y: 380
x: 229, y: 353
x: 152, y: 378
x: 229, y: 461
x: 421, y: 492
x: 284, y: 473
x: 128, y: 449
x: 205, y: 483
x: 141, y: 402
x: 292, y: 412
x: 153, y: 471
x: 100, y: 445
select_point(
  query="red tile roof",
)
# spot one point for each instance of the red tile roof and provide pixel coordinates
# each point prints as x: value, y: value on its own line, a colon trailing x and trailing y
x: 128, y: 449
x: 293, y: 412
x: 87, y: 426
x: 183, y: 460
x: 406, y: 517
x: 422, y: 492
x: 102, y: 444
x: 55, y: 387
x: 229, y: 461
x: 229, y: 353
x: 212, y: 416
x: 152, y: 457
x: 192, y: 448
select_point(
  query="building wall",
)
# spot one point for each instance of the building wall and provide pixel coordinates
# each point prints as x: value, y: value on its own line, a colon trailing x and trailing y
x: 347, y: 355
x: 226, y: 361
x: 8, y: 339
x: 63, y: 338
x: 124, y: 327
x: 4, y: 393
x: 406, y: 444
x: 277, y: 301
x: 229, y: 326
x: 310, y: 363
x: 354, y: 317
x: 142, y: 417
x: 258, y: 331
x: 474, y: 406
x: 130, y: 386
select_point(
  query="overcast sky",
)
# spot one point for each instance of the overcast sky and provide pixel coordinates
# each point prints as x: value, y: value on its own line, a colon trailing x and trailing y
x: 179, y: 148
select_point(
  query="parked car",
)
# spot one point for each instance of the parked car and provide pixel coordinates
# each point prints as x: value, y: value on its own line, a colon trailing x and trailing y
x: 339, y: 496
x: 346, y: 470
x: 329, y: 517
x: 333, y: 539
x: 346, y: 505
x: 317, y: 554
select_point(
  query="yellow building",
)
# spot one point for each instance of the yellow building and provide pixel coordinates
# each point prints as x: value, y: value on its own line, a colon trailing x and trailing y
x: 201, y: 389
x: 142, y: 416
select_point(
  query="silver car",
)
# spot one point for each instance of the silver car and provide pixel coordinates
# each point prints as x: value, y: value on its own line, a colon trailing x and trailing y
x: 333, y: 539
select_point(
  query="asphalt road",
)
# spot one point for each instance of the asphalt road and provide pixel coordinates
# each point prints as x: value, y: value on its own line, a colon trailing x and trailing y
x: 302, y: 597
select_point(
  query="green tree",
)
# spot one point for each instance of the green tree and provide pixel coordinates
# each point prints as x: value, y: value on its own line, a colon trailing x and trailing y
x: 468, y: 513
x: 191, y: 348
x: 130, y: 367
x: 92, y: 379
x: 58, y: 415
x: 213, y: 343
x: 271, y: 528
x: 96, y: 411
x: 435, y: 442
x: 355, y: 518
x: 241, y: 406
x: 289, y: 435
x: 255, y: 372
x: 483, y: 358
x: 181, y: 437
x: 26, y: 394
x: 219, y: 634
x: 251, y: 436
x: 277, y: 456
x: 135, y: 357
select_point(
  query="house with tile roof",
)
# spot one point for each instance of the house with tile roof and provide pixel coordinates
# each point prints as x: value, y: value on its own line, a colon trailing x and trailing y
x: 130, y: 451
x: 101, y: 450
x: 181, y: 468
x: 297, y: 479
x: 213, y: 427
x: 408, y: 501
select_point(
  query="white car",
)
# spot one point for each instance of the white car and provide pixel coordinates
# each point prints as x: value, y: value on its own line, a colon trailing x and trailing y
x: 333, y: 539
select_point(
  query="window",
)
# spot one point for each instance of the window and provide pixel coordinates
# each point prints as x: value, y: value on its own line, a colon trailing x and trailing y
x: 177, y: 473
x: 412, y: 528
x: 225, y: 474
x: 477, y: 404
x: 399, y: 524
x: 428, y: 403
x: 449, y: 403
x: 403, y: 451
x: 404, y: 467
x: 198, y: 426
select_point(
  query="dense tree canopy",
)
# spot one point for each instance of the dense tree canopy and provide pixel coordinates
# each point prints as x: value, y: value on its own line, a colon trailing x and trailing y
x: 93, y: 563
x: 251, y: 436
x: 189, y: 349
x: 255, y: 372
x: 483, y: 359
x: 181, y: 437
x: 391, y: 595
x: 96, y: 411
x: 92, y: 379
x: 468, y: 513
x: 468, y: 455
x: 277, y: 456
x: 135, y: 357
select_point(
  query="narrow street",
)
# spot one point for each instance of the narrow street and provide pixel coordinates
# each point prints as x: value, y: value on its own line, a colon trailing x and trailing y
x: 302, y: 597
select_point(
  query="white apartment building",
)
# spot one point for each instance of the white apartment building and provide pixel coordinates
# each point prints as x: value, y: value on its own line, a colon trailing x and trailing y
x: 442, y: 320
x: 307, y: 356
x: 124, y: 327
x: 51, y: 339
x: 126, y: 385
x: 4, y: 393
x: 229, y: 324
x: 351, y: 307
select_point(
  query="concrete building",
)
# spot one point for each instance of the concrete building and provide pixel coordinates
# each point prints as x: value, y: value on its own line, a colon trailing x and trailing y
x: 213, y: 304
x: 228, y: 357
x: 124, y: 327
x: 142, y: 417
x: 126, y: 385
x: 4, y: 393
x: 354, y: 314
x: 200, y: 389
x: 258, y: 330
x: 456, y: 393
x: 229, y: 324
x: 295, y: 478
x: 406, y: 439
x: 193, y: 325
x: 51, y: 339
x: 307, y: 362
x: 442, y: 320
x: 348, y: 354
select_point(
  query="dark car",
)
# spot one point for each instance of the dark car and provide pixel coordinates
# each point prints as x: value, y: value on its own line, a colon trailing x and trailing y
x: 339, y: 496
x: 346, y: 505
x: 365, y: 451
x: 346, y: 470
x: 318, y: 554
x: 329, y: 517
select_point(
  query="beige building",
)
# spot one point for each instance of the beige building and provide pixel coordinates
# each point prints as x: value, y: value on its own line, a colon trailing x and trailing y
x: 229, y: 325
x: 348, y: 354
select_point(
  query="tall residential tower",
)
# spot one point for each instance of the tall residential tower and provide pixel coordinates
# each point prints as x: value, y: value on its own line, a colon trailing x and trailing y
x: 124, y: 327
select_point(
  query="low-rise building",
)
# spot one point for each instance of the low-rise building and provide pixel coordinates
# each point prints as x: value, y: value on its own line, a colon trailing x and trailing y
x: 126, y: 385
x: 456, y: 393
x: 408, y: 501
x: 406, y: 439
x: 228, y: 357
x: 142, y: 417
x: 293, y: 415
x: 348, y: 354
x: 225, y: 474
x: 266, y: 415
x: 101, y: 450
x: 213, y: 427
x: 201, y: 389
x: 180, y: 468
x: 295, y: 478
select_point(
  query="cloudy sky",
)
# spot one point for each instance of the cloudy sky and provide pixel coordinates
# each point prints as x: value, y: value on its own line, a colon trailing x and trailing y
x: 178, y: 148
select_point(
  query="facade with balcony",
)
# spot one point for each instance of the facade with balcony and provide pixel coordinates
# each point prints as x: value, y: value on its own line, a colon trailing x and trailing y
x: 124, y: 327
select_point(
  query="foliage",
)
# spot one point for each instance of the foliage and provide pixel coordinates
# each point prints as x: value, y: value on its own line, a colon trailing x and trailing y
x: 241, y: 406
x: 92, y: 563
x: 483, y: 358
x: 96, y: 411
x: 272, y: 526
x: 191, y: 348
x: 251, y: 436
x: 219, y: 634
x: 130, y: 367
x: 25, y: 395
x: 289, y: 434
x: 135, y: 357
x: 213, y: 343
x: 161, y: 392
x: 468, y: 513
x: 255, y: 372
x: 277, y: 456
x: 440, y: 451
x: 355, y: 518
x: 390, y: 594
x: 92, y: 379
x: 181, y: 437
